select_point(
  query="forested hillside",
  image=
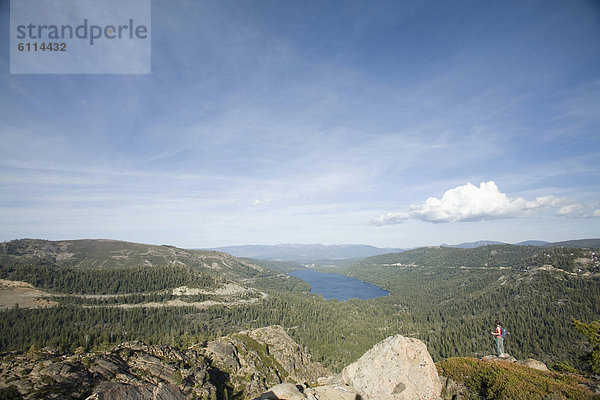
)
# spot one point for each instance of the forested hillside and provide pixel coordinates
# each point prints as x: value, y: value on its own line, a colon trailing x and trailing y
x: 447, y: 297
x: 106, y: 281
x: 497, y: 255
x: 453, y: 296
x: 575, y: 260
x: 127, y: 309
x: 88, y: 253
x: 113, y: 254
x: 501, y: 255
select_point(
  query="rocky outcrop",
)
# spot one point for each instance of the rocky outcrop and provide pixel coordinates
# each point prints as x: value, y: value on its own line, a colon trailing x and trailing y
x: 535, y: 364
x: 128, y: 371
x: 258, y: 359
x: 506, y: 357
x: 122, y: 391
x: 529, y: 363
x: 287, y: 391
x: 244, y: 365
x: 295, y: 359
x: 454, y: 390
x: 395, y: 369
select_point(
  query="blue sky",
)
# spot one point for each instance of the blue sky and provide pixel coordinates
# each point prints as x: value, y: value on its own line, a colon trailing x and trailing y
x: 401, y: 123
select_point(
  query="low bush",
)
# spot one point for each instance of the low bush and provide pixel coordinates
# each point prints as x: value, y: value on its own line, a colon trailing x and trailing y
x: 506, y: 380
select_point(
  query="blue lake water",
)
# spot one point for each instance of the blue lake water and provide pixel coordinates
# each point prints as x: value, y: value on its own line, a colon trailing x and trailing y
x: 336, y: 286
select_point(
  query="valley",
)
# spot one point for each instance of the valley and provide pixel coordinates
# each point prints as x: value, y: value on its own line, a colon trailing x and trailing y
x: 78, y: 295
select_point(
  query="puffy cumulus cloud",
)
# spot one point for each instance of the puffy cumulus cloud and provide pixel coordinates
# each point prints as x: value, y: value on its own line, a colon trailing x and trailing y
x: 389, y: 218
x: 472, y: 203
x: 475, y: 203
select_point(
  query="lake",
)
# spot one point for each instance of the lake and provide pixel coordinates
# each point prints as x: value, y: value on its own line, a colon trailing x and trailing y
x: 336, y: 286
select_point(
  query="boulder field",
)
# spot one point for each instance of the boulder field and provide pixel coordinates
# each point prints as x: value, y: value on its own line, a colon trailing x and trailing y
x: 257, y: 364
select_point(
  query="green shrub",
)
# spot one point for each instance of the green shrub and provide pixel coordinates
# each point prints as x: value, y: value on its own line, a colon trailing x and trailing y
x: 505, y: 380
x: 563, y: 367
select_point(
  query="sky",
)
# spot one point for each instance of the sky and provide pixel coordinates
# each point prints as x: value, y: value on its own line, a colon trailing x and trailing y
x: 389, y: 123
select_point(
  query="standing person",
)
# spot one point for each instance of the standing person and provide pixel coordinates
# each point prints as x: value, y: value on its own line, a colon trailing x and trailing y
x: 499, y: 339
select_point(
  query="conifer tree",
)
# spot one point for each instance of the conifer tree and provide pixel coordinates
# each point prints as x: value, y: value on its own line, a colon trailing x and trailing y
x: 592, y: 332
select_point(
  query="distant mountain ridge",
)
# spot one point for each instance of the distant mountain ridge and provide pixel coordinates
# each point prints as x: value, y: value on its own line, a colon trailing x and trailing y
x: 480, y: 243
x: 105, y: 253
x: 312, y: 252
x: 577, y: 243
x: 533, y: 243
x: 472, y: 245
x: 305, y: 252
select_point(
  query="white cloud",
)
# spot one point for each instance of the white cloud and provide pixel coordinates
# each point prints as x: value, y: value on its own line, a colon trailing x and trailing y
x: 578, y: 211
x: 389, y: 218
x: 475, y: 203
x: 570, y: 209
x: 262, y: 202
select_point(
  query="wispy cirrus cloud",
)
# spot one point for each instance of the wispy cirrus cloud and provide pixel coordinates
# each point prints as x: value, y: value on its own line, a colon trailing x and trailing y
x: 579, y: 211
x: 484, y: 202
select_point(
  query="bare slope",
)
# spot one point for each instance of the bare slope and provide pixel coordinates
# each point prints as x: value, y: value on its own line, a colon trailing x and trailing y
x: 102, y: 253
x: 114, y: 273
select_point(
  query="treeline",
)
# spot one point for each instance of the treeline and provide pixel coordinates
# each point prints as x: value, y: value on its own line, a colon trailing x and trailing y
x: 69, y: 327
x: 104, y: 281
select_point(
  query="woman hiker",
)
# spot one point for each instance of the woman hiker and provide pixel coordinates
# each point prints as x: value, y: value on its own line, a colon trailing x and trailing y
x: 499, y: 339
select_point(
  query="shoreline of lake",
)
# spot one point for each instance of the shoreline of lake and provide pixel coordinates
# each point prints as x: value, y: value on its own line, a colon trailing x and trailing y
x: 335, y: 286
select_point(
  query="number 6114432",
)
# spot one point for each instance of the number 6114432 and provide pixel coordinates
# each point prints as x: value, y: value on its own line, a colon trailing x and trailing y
x: 34, y: 46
